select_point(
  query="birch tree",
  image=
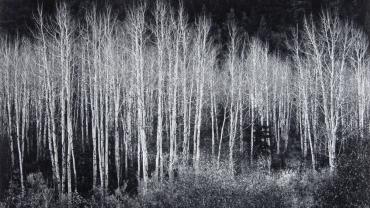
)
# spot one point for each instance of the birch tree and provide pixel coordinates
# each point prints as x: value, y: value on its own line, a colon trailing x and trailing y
x: 328, y: 45
x: 136, y: 30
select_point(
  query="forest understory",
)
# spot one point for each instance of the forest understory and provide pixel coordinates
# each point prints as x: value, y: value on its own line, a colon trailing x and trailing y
x: 158, y: 110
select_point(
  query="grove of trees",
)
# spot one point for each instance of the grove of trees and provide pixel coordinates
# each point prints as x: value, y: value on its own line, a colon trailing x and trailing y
x: 104, y: 101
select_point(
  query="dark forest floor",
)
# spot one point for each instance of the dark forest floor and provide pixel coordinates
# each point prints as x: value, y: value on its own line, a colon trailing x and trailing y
x: 296, y: 185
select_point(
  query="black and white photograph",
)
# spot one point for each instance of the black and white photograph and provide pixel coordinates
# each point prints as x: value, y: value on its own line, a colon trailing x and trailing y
x: 184, y: 103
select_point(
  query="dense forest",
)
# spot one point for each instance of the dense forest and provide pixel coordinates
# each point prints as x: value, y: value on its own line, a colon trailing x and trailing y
x: 160, y: 105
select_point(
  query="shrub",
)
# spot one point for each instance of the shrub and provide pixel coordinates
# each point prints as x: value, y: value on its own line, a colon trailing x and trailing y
x: 349, y: 186
x: 214, y: 187
x: 120, y: 199
x: 37, y: 193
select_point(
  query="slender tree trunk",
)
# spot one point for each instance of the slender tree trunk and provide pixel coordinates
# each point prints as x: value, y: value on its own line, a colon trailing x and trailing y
x: 116, y: 136
x: 10, y: 125
x: 241, y: 124
x: 213, y: 115
x: 19, y: 139
x: 252, y: 128
x: 221, y: 137
x: 160, y: 50
x: 173, y: 122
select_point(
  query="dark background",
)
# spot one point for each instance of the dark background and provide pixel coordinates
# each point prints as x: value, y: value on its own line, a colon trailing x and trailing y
x: 271, y: 20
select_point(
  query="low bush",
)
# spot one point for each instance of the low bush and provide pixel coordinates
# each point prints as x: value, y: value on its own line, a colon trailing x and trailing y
x: 119, y: 199
x: 349, y: 186
x: 214, y: 187
x: 38, y: 194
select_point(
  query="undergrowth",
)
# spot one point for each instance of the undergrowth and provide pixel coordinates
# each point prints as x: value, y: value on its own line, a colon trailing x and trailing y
x: 215, y: 186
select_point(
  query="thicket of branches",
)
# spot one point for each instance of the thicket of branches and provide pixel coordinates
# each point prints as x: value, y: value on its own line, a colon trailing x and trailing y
x: 101, y: 99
